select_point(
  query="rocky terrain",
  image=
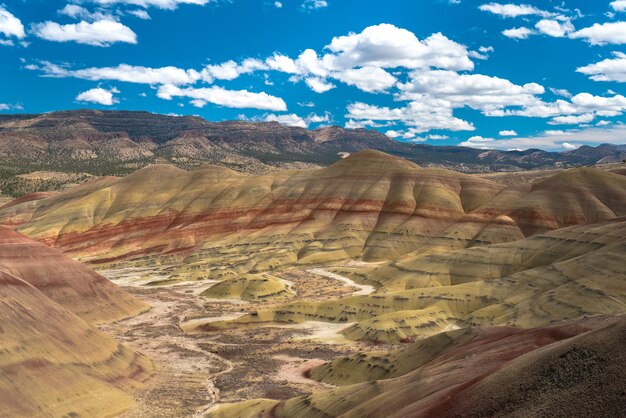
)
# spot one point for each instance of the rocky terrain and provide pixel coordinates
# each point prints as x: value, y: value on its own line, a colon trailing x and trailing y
x: 119, y: 142
x: 369, y: 287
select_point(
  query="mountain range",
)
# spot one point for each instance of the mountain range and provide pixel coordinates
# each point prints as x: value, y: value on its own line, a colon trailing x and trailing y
x: 118, y: 142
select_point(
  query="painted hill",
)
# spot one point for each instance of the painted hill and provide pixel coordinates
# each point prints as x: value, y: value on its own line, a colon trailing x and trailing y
x: 370, y: 206
x: 565, y: 274
x: 71, y: 284
x: 52, y: 363
x: 250, y: 287
x: 119, y: 142
x: 568, y: 369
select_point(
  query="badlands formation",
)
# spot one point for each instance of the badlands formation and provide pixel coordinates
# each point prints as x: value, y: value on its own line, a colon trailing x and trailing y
x: 372, y: 287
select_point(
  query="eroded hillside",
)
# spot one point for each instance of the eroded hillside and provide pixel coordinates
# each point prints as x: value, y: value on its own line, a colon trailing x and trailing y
x: 365, y: 279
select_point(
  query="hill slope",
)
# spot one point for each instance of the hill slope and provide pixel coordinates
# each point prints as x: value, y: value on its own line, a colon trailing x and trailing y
x: 570, y: 369
x: 370, y: 206
x: 52, y: 363
x: 69, y: 283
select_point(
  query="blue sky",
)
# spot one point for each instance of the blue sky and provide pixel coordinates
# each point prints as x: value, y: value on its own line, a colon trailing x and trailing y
x: 541, y: 74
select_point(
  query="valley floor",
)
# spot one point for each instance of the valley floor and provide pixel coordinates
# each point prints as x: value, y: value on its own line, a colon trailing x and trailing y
x: 198, y: 371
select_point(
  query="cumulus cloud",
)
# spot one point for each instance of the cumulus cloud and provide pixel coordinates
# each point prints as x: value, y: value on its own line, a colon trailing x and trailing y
x: 618, y: 5
x: 360, y: 59
x: 10, y: 26
x: 423, y: 116
x: 230, y: 70
x: 288, y: 120
x: 99, y: 96
x: 572, y: 119
x: 368, y: 79
x: 222, y: 97
x: 613, y: 69
x: 98, y: 33
x: 123, y: 72
x: 603, y: 33
x: 477, y: 91
x: 518, y: 33
x: 482, y: 53
x: 554, y: 28
x: 561, y: 92
x: 388, y: 46
x: 513, y: 10
x: 319, y: 85
x: 553, y: 140
x: 507, y: 133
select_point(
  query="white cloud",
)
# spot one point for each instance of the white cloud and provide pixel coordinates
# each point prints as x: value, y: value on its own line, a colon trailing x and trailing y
x: 554, y: 132
x: 601, y: 34
x: 479, y: 142
x: 573, y: 119
x: 518, y: 33
x: 513, y: 10
x: 288, y: 120
x: 315, y: 118
x: 230, y: 70
x: 554, y: 28
x: 368, y: 79
x: 618, y: 5
x: 476, y: 91
x: 507, y: 133
x: 10, y: 25
x: 282, y: 63
x: 423, y: 116
x: 123, y: 72
x: 569, y: 146
x: 561, y: 92
x: 78, y: 12
x: 583, y: 108
x: 319, y: 85
x: 607, y: 70
x: 387, y: 46
x: 99, y: 96
x: 482, y: 53
x: 314, y: 4
x: 161, y: 4
x: 554, y: 140
x: 278, y: 4
x: 6, y: 106
x: 229, y: 98
x: 98, y: 33
x: 141, y: 14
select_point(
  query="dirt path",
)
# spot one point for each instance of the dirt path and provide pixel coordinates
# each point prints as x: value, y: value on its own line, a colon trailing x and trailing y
x: 187, y: 369
x: 363, y: 288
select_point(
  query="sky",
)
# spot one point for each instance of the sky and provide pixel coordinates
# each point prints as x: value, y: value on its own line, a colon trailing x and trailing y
x: 537, y: 74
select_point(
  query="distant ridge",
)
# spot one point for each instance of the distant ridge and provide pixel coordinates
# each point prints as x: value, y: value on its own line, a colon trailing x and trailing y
x: 118, y: 142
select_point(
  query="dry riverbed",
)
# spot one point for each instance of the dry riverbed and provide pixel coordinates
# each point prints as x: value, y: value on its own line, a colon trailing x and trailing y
x: 197, y: 371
